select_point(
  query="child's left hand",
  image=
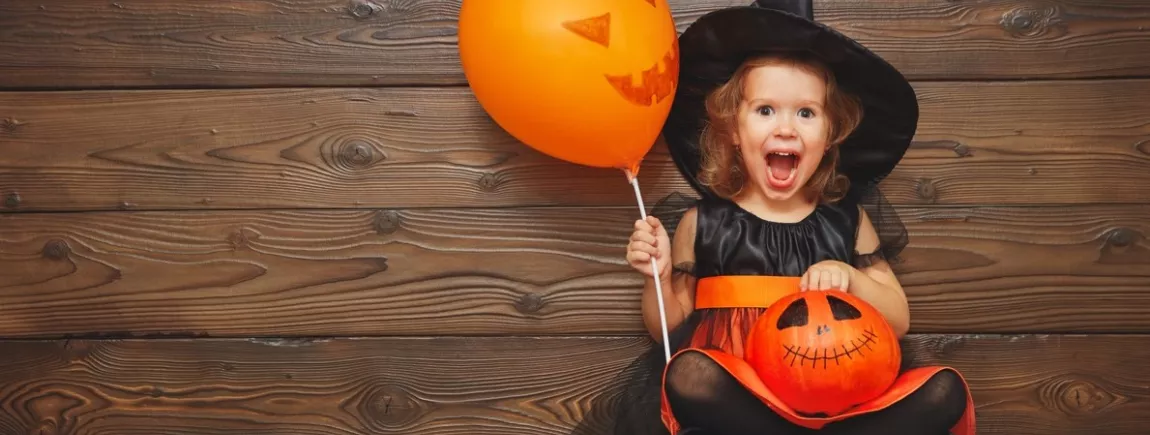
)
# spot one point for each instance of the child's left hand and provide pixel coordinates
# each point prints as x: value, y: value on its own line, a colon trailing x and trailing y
x: 827, y: 275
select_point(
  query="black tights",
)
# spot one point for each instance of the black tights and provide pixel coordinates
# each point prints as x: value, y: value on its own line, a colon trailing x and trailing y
x: 704, y: 397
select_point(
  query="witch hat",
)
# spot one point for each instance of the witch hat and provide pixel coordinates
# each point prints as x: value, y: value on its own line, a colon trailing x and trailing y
x: 713, y: 47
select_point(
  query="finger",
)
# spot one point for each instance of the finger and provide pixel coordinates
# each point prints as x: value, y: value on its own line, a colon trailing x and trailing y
x: 643, y: 237
x: 835, y: 279
x: 825, y: 280
x: 813, y: 280
x: 804, y: 282
x: 846, y: 284
x: 635, y: 257
x: 641, y: 225
x: 644, y: 247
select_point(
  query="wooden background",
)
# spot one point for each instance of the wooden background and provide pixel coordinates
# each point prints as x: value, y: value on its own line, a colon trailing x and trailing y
x: 291, y: 216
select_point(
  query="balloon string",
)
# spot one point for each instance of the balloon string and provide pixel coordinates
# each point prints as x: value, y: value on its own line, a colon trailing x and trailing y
x: 654, y: 271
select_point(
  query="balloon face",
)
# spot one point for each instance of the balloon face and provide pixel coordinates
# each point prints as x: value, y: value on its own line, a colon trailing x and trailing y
x: 587, y: 81
x: 824, y: 352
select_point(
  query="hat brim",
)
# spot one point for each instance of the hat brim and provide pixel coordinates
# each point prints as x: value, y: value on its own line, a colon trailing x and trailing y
x: 714, y: 46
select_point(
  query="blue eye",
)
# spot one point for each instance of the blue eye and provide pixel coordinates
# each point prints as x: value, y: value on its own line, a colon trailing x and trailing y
x: 806, y: 113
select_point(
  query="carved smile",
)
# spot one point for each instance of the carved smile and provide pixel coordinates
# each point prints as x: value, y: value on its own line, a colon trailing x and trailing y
x: 653, y: 85
x: 797, y: 354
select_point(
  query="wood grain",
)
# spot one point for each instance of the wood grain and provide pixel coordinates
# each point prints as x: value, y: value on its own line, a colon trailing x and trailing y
x: 524, y: 386
x: 1008, y: 143
x: 515, y: 271
x: 1047, y: 384
x: 999, y: 39
x: 168, y: 43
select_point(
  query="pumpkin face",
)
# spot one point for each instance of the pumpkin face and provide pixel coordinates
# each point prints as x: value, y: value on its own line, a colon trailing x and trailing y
x: 824, y: 352
x: 588, y: 81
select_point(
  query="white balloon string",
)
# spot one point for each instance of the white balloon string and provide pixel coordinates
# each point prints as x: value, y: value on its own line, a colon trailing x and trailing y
x: 654, y: 272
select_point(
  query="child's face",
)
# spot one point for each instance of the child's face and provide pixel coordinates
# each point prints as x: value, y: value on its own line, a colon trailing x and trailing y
x: 783, y: 125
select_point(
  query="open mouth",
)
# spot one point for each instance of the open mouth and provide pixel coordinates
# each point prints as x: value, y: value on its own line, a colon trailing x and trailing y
x: 781, y: 168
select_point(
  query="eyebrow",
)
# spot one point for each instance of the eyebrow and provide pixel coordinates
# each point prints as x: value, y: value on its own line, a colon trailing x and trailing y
x: 769, y: 100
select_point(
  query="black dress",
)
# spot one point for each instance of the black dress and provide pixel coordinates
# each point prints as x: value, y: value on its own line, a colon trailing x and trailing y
x: 730, y: 240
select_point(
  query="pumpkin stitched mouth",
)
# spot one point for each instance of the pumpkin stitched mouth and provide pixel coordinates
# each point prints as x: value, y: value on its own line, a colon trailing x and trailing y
x: 654, y: 86
x: 796, y: 353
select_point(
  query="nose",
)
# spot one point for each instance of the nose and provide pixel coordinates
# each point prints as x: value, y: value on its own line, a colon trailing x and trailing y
x: 785, y: 127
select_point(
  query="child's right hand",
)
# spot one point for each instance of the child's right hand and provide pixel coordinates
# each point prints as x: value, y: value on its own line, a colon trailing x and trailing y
x: 650, y: 238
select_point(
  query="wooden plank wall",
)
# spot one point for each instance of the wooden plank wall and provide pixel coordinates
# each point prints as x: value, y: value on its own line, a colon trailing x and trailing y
x: 291, y: 216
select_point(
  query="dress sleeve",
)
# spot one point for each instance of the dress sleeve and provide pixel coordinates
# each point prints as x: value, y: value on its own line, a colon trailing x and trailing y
x: 892, y: 234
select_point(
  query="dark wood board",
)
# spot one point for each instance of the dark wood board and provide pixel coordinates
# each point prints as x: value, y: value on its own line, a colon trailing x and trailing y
x: 1018, y: 143
x: 216, y: 43
x: 1047, y: 384
x: 516, y: 271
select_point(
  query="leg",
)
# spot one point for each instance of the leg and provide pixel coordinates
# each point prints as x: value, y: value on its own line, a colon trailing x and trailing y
x: 705, y: 397
x: 932, y: 410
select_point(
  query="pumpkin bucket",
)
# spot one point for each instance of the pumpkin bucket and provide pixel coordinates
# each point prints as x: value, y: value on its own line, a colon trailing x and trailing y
x: 824, y: 352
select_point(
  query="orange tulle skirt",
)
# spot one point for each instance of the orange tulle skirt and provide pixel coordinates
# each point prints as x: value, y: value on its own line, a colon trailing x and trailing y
x: 743, y: 299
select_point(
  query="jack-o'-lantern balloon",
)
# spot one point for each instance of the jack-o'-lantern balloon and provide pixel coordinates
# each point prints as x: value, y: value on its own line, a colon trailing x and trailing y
x: 587, y: 81
x: 824, y: 352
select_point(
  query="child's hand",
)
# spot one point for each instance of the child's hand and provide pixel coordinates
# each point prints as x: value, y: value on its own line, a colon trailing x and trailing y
x: 650, y: 238
x: 827, y: 275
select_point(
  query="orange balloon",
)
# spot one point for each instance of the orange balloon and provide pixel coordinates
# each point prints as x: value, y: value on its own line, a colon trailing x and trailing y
x: 586, y: 81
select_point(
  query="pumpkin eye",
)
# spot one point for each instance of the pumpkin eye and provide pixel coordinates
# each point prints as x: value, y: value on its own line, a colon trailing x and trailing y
x: 594, y: 29
x: 794, y: 315
x: 842, y: 310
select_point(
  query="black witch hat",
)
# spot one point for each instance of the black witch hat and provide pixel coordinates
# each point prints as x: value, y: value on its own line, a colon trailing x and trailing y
x: 713, y: 47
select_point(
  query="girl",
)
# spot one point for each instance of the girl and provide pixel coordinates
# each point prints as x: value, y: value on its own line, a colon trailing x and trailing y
x: 785, y: 127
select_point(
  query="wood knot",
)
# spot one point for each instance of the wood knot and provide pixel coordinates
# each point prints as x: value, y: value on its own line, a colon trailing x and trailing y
x: 10, y: 125
x: 357, y: 154
x: 12, y: 200
x: 1079, y: 397
x: 1029, y: 22
x: 387, y: 407
x: 78, y: 350
x: 363, y: 8
x: 925, y: 190
x: 529, y: 303
x: 242, y: 238
x: 489, y: 182
x: 56, y: 249
x: 386, y: 222
x: 1121, y: 237
x: 1143, y: 147
x: 962, y: 150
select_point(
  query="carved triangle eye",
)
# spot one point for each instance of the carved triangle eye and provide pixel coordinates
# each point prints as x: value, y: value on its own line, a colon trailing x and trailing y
x: 594, y: 29
x: 795, y: 315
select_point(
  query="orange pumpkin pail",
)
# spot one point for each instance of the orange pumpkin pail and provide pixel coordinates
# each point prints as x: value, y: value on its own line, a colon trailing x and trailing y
x: 824, y: 352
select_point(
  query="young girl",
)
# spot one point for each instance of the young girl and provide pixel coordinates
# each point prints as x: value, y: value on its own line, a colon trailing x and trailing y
x: 785, y: 127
